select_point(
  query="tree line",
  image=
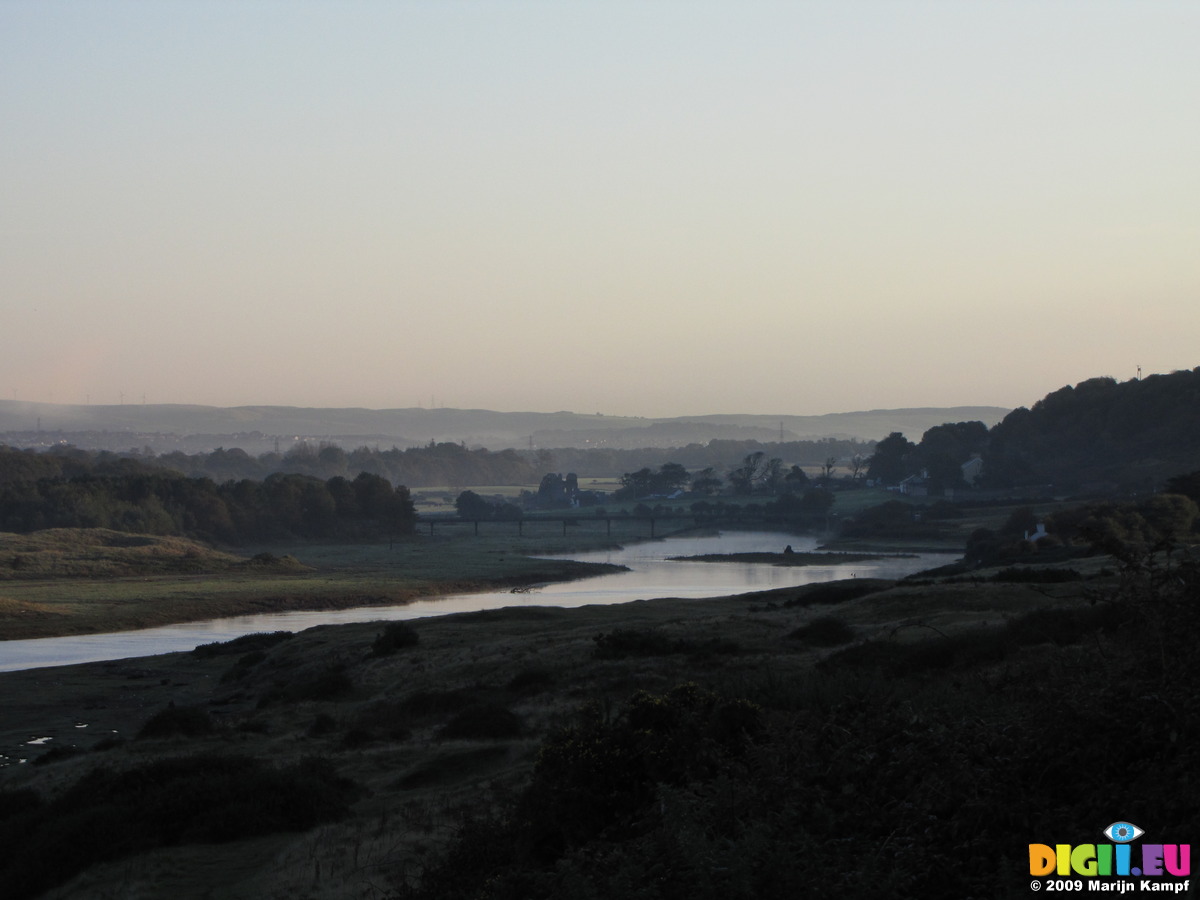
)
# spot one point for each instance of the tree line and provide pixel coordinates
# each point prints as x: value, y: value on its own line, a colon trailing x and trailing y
x: 68, y: 491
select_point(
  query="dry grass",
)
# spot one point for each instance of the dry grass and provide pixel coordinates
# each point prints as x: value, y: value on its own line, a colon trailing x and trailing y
x: 84, y: 581
x: 99, y: 552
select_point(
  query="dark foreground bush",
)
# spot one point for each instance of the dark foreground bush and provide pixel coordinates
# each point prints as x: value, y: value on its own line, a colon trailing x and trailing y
x: 262, y: 640
x: 826, y: 631
x: 531, y: 681
x: 56, y: 754
x: 395, y: 636
x: 1031, y: 575
x: 860, y: 786
x: 624, y: 642
x: 598, y: 777
x: 332, y: 683
x: 483, y: 722
x: 185, y: 721
x: 839, y: 591
x: 450, y: 769
x: 383, y: 719
x: 108, y: 814
x: 979, y: 647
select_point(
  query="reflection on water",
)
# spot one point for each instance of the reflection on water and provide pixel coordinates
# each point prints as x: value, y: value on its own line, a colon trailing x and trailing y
x: 651, y: 574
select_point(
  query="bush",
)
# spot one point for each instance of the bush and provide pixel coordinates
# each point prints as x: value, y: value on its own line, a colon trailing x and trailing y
x: 56, y: 754
x: 332, y: 683
x: 450, y: 768
x: 598, y: 778
x: 385, y: 718
x: 108, y: 814
x: 483, y: 722
x: 322, y: 725
x: 623, y: 642
x: 1028, y: 575
x: 432, y: 703
x: 395, y: 636
x: 242, y: 667
x: 838, y: 591
x: 186, y: 721
x: 826, y: 631
x: 261, y: 640
x: 1067, y: 626
x: 531, y: 681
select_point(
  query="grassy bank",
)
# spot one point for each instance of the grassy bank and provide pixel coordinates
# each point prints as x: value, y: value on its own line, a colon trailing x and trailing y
x: 87, y: 581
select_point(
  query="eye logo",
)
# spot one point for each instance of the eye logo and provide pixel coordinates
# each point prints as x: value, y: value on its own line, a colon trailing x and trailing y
x: 1122, y: 832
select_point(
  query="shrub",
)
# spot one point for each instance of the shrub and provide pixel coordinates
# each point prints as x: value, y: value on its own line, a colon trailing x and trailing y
x: 1028, y: 575
x: 483, y: 722
x: 261, y: 640
x: 242, y: 667
x: 597, y: 778
x: 531, y: 681
x: 432, y: 703
x: 56, y: 754
x: 186, y: 721
x: 108, y: 814
x: 18, y: 802
x: 826, y: 631
x: 623, y: 642
x: 322, y: 725
x: 450, y: 768
x: 1067, y: 626
x: 395, y: 636
x: 386, y: 718
x: 332, y: 683
x: 839, y: 591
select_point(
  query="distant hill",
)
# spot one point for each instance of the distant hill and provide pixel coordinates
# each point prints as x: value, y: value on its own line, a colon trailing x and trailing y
x: 256, y: 429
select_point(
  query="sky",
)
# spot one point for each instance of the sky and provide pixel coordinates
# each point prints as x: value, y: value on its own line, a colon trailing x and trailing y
x: 634, y: 208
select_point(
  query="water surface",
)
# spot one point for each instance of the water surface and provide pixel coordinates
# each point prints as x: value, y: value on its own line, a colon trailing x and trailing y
x: 651, y: 575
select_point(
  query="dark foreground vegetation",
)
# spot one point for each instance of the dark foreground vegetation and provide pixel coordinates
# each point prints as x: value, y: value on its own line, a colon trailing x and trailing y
x: 857, y: 739
x: 900, y: 769
x: 191, y: 799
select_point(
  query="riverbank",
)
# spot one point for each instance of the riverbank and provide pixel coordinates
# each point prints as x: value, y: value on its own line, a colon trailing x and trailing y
x: 75, y: 582
x: 931, y: 686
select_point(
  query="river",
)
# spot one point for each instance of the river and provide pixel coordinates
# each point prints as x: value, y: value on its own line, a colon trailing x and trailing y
x: 651, y: 574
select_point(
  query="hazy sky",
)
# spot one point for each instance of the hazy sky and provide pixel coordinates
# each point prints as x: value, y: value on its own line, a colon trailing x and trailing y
x: 645, y: 208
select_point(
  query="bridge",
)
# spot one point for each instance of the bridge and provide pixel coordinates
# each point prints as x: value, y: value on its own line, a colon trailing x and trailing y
x: 694, y: 520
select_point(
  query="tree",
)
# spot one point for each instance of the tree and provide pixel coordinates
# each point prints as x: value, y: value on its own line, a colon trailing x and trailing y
x: 706, y: 481
x: 890, y: 464
x: 671, y: 477
x: 827, y: 469
x: 772, y: 476
x: 744, y: 476
x: 817, y: 500
x: 795, y: 480
x: 858, y: 466
x: 471, y: 506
